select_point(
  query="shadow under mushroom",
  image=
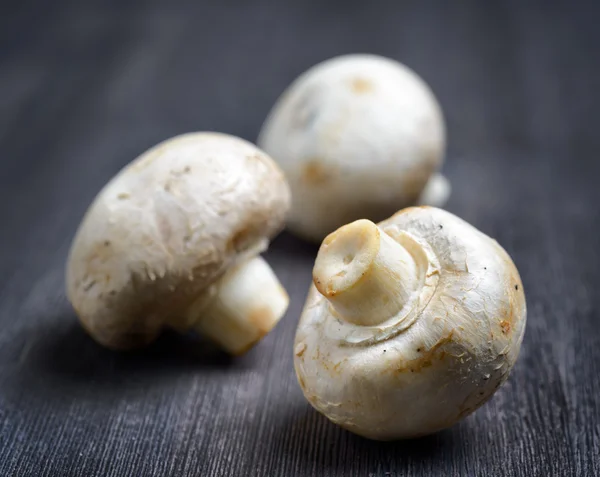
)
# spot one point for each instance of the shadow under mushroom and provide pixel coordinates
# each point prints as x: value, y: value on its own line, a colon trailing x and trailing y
x: 59, y: 357
x: 307, y: 441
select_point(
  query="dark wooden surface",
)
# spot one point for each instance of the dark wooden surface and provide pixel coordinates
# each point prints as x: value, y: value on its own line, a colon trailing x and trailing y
x: 86, y: 86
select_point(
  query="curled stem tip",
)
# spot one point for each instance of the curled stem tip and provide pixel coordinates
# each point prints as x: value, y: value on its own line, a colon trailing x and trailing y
x: 365, y: 274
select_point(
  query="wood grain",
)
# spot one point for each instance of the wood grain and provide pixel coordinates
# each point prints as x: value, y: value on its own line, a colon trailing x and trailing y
x: 87, y: 86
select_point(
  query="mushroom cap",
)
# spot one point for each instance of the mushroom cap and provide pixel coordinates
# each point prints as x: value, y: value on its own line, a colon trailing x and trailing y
x: 165, y: 227
x: 441, y: 358
x: 357, y: 136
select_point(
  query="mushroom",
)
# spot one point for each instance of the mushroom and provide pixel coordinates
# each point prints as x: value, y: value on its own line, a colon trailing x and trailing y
x: 358, y: 136
x: 410, y: 325
x: 173, y: 240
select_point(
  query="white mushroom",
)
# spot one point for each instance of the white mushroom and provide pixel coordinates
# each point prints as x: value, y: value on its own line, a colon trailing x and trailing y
x: 357, y: 136
x: 411, y: 324
x: 174, y: 240
x: 436, y: 192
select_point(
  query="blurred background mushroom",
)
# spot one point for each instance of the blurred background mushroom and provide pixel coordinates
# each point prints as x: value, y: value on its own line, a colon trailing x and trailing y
x: 358, y: 136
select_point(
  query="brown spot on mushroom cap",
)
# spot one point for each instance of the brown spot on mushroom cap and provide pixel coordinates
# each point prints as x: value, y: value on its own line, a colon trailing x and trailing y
x: 426, y: 359
x: 315, y: 173
x: 330, y: 289
x: 242, y: 238
x: 511, y: 310
x: 337, y: 367
x: 99, y: 253
x: 361, y: 85
x: 300, y: 349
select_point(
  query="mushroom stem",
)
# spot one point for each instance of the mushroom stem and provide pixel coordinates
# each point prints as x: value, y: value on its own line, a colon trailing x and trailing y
x: 364, y: 273
x: 241, y: 307
x: 436, y: 192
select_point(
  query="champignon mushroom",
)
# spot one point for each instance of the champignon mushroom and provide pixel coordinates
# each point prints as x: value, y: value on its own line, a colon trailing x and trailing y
x: 358, y: 136
x: 174, y: 241
x: 410, y: 326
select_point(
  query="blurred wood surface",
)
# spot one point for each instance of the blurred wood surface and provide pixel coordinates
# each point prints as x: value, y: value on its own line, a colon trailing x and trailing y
x: 87, y: 86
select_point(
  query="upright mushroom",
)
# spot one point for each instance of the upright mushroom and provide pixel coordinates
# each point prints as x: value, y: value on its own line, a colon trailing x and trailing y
x: 411, y: 324
x: 358, y: 136
x: 174, y: 241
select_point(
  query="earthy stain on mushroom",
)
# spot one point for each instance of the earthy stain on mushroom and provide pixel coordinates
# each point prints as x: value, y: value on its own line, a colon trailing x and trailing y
x: 509, y: 315
x: 89, y: 286
x: 241, y: 238
x: 426, y: 359
x: 262, y: 318
x: 361, y: 86
x: 100, y: 252
x: 314, y: 173
x: 300, y: 349
x: 331, y: 289
x: 505, y: 325
x: 337, y: 367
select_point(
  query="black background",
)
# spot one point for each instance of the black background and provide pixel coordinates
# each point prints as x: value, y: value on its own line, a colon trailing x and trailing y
x: 87, y: 86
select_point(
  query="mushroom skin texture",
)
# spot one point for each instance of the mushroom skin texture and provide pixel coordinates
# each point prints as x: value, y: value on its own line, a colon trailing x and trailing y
x: 410, y: 324
x: 173, y: 240
x: 358, y: 136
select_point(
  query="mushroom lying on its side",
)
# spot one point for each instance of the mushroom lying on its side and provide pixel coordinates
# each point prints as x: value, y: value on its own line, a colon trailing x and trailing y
x: 174, y: 241
x: 410, y: 326
x: 358, y: 136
